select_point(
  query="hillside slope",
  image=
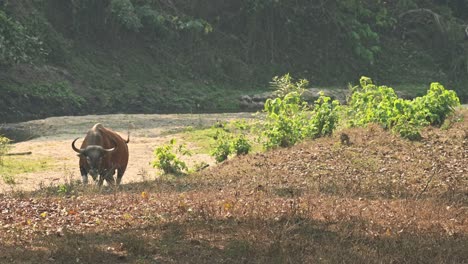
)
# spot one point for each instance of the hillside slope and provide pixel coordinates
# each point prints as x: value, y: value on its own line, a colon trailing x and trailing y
x: 380, y: 199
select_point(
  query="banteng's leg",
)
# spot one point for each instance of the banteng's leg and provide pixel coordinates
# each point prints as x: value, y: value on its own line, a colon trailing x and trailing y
x: 100, y: 181
x: 110, y: 177
x: 120, y: 173
x: 84, y: 175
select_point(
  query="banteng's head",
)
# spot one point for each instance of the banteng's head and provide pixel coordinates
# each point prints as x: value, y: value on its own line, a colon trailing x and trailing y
x: 94, y: 155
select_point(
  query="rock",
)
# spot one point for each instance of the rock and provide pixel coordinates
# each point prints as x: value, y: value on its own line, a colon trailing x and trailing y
x: 404, y: 95
x: 17, y: 133
x: 312, y: 94
x: 256, y: 102
x: 262, y: 97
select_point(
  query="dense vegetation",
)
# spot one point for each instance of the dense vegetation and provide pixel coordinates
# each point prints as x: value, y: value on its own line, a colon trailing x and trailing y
x: 68, y: 57
x: 289, y: 120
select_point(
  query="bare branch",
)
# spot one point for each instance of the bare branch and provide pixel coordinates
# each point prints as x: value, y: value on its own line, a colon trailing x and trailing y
x: 437, y: 17
x: 19, y: 153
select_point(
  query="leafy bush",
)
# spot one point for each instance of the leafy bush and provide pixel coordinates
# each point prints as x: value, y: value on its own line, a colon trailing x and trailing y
x: 167, y: 160
x: 370, y: 103
x: 324, y: 116
x: 290, y: 119
x: 240, y: 145
x: 380, y: 104
x: 222, y: 148
x: 437, y: 104
x: 286, y: 121
x: 284, y: 85
x: 227, y: 142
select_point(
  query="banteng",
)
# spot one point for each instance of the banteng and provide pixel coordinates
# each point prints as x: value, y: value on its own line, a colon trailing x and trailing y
x: 102, y: 152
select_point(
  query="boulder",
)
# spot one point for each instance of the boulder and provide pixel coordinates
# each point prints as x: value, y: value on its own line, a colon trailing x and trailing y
x: 257, y: 101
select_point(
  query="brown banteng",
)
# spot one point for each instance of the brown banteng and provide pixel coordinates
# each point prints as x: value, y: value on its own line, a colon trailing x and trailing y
x: 102, y: 152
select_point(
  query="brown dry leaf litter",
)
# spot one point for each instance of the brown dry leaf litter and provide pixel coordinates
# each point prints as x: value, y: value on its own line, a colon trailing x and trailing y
x: 380, y: 200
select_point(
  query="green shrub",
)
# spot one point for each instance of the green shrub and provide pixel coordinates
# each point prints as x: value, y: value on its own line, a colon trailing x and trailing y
x: 324, y: 117
x: 284, y: 85
x: 289, y: 119
x: 222, y: 148
x: 167, y: 158
x: 380, y: 104
x: 286, y: 121
x: 228, y: 143
x: 437, y: 104
x: 241, y: 146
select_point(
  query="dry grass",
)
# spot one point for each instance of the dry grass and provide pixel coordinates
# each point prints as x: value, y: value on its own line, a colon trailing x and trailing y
x: 379, y: 200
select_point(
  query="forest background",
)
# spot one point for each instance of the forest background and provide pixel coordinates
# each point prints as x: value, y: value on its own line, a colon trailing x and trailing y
x: 157, y: 56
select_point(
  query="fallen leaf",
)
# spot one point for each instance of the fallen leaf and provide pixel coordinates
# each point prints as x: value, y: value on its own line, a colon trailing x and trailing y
x: 72, y: 212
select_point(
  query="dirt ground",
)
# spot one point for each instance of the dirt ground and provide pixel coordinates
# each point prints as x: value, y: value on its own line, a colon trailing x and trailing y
x: 147, y: 131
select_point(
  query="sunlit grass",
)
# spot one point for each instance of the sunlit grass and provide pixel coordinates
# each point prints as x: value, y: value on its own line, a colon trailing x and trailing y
x: 18, y: 165
x: 203, y: 139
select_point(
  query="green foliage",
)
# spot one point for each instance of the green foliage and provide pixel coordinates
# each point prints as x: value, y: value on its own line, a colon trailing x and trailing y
x: 104, y: 17
x: 17, y: 45
x: 286, y: 121
x: 4, y: 147
x: 284, y: 85
x: 124, y: 13
x: 151, y: 18
x: 437, y: 104
x: 222, y: 148
x: 290, y: 119
x: 380, y: 104
x: 63, y: 189
x: 56, y: 93
x: 56, y: 47
x: 227, y: 143
x: 121, y: 53
x: 325, y: 116
x: 167, y: 158
x: 240, y: 145
x: 362, y: 23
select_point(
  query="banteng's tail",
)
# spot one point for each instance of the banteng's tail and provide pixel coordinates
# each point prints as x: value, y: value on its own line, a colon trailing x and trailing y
x: 128, y: 137
x: 130, y: 126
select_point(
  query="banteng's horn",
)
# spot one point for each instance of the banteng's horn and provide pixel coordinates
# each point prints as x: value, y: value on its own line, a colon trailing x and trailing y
x: 75, y: 148
x: 111, y: 149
